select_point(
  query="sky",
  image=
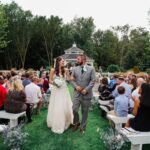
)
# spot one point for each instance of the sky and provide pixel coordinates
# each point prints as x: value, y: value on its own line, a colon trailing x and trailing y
x: 106, y: 13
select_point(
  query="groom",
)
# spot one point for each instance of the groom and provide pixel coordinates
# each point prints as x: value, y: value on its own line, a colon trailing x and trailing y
x: 83, y: 79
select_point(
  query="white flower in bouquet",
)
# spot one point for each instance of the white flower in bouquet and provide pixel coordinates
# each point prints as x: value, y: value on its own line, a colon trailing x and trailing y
x: 58, y: 82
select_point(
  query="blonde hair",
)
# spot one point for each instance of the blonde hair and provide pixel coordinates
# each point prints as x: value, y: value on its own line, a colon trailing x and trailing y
x: 18, y: 85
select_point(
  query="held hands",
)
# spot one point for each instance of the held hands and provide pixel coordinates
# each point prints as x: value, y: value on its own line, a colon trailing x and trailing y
x: 81, y: 90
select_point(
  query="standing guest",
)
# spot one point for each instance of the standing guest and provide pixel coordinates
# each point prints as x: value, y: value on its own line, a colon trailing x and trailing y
x: 83, y: 79
x: 3, y: 93
x: 34, y: 97
x: 26, y: 81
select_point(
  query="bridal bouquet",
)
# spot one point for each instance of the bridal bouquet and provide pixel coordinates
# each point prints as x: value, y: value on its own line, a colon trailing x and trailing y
x: 58, y: 82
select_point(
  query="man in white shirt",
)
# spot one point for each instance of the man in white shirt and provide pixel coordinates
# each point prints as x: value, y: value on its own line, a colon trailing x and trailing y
x: 34, y: 96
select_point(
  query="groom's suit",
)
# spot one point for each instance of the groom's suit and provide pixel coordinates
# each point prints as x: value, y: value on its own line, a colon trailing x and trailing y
x: 85, y: 80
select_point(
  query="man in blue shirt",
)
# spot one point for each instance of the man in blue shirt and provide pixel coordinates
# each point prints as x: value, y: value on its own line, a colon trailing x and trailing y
x: 26, y: 81
x: 121, y: 82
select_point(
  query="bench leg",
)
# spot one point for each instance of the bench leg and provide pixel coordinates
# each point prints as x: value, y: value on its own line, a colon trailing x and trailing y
x: 118, y: 126
x: 13, y: 123
x: 136, y: 147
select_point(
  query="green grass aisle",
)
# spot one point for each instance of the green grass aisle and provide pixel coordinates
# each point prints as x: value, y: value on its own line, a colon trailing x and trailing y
x: 41, y: 137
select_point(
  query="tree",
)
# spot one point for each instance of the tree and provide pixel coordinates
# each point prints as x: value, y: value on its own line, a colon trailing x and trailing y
x: 105, y: 45
x: 139, y: 52
x: 24, y: 34
x: 50, y: 31
x: 19, y: 24
x: 123, y: 43
x: 83, y: 29
x: 3, y: 26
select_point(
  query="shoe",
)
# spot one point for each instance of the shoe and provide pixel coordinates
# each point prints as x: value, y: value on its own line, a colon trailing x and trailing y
x: 75, y: 127
x: 71, y: 126
x: 82, y: 131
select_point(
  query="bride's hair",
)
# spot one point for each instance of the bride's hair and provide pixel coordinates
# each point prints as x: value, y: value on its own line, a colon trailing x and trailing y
x: 57, y: 67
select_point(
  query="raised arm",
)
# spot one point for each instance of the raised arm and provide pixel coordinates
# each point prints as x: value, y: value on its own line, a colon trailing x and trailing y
x: 67, y: 74
x: 51, y: 76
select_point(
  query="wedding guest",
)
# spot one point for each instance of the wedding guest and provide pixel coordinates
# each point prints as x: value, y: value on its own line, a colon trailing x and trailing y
x: 141, y: 122
x: 104, y: 89
x: 45, y: 82
x: 26, y: 81
x: 121, y: 103
x: 34, y: 97
x: 3, y: 93
x: 121, y: 82
x: 16, y: 98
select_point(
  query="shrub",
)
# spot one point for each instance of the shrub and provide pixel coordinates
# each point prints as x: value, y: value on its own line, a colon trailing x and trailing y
x: 113, y: 68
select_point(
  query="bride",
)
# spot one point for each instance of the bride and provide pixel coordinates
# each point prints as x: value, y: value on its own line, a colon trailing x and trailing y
x: 60, y: 114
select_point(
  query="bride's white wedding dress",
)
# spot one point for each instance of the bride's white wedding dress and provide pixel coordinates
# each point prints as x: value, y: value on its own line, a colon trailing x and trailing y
x: 60, y: 114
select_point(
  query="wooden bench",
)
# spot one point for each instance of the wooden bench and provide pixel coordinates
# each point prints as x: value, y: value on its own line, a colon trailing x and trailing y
x: 12, y: 117
x: 136, y: 138
x: 96, y: 96
x: 102, y: 102
x: 118, y: 121
x: 105, y: 109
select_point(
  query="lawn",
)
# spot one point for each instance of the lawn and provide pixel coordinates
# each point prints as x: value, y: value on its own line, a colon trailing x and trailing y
x: 41, y: 138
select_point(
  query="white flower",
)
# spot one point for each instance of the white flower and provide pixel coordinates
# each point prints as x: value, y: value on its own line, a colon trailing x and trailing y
x: 84, y: 69
x: 58, y: 82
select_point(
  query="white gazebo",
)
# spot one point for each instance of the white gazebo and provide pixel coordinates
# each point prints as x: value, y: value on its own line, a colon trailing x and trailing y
x: 71, y: 54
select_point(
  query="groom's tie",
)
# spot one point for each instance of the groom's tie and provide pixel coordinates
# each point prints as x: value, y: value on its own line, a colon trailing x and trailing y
x: 82, y: 71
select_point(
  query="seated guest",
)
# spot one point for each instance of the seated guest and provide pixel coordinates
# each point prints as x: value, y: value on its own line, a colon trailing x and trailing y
x: 121, y: 82
x: 3, y: 92
x: 104, y: 90
x: 113, y: 82
x: 121, y: 103
x: 16, y: 98
x: 45, y: 82
x: 135, y: 94
x: 34, y: 96
x: 26, y: 81
x: 139, y: 82
x: 141, y: 122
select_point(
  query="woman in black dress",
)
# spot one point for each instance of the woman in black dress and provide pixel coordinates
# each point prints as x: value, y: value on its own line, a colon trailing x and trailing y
x: 141, y: 122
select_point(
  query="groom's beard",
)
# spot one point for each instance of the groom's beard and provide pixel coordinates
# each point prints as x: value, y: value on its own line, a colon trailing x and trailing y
x: 79, y: 63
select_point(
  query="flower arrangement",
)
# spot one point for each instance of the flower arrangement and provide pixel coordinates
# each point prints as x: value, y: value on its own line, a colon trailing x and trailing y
x: 58, y: 82
x: 111, y: 138
x: 14, y: 137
